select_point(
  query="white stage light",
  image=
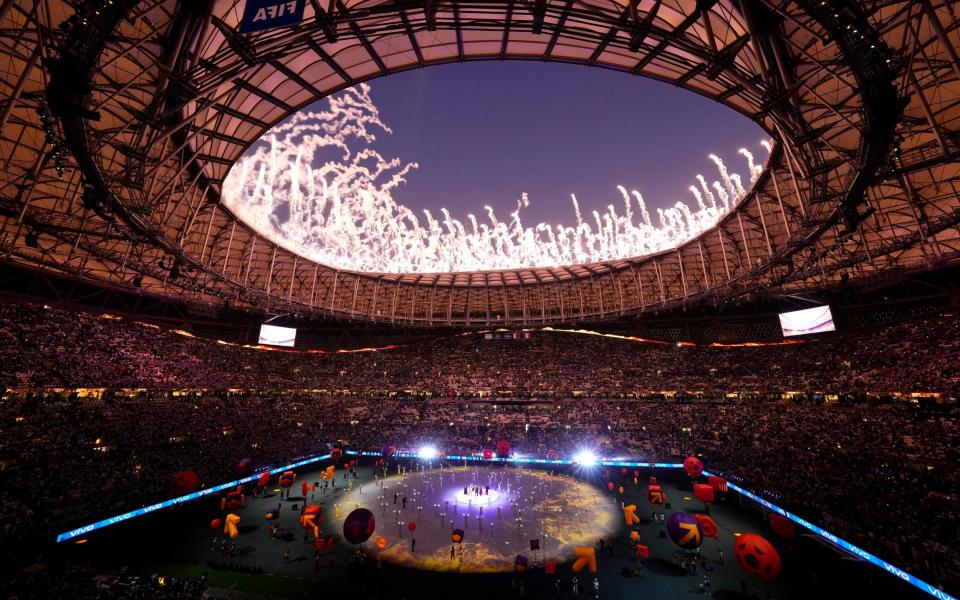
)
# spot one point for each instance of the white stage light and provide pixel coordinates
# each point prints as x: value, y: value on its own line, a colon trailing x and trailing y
x: 427, y: 453
x: 585, y: 458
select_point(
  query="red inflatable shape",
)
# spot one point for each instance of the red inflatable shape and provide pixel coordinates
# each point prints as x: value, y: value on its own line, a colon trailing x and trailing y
x: 693, y: 466
x: 783, y: 526
x: 703, y: 492
x: 719, y: 484
x: 184, y: 482
x: 707, y: 525
x: 757, y: 556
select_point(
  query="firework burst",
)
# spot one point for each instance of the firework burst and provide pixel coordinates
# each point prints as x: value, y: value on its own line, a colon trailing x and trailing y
x: 316, y: 185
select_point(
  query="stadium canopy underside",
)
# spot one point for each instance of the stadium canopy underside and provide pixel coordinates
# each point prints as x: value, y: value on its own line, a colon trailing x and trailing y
x: 120, y: 123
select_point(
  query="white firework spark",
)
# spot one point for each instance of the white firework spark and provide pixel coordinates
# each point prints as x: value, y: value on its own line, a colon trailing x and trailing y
x: 342, y: 213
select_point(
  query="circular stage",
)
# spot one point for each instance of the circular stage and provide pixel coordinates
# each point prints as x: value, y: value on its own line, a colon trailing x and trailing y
x: 499, y: 510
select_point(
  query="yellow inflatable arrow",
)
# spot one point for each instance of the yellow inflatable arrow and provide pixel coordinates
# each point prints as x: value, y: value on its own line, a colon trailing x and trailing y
x: 693, y: 533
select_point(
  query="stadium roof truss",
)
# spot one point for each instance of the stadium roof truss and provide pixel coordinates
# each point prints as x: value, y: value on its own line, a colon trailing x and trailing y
x: 121, y: 119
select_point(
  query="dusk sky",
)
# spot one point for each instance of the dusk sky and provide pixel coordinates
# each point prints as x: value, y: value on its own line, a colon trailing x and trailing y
x: 483, y: 133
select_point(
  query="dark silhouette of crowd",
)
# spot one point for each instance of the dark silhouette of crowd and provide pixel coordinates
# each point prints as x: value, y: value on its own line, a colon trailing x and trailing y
x: 83, y: 582
x: 875, y: 470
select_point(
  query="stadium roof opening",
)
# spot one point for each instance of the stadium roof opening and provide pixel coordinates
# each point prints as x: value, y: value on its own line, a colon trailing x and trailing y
x: 319, y: 185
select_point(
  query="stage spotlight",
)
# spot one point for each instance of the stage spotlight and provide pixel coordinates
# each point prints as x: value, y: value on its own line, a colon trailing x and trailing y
x: 585, y: 458
x: 427, y: 453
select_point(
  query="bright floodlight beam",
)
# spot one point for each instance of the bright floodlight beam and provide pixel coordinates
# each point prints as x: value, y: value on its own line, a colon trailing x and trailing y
x: 585, y: 458
x: 427, y: 453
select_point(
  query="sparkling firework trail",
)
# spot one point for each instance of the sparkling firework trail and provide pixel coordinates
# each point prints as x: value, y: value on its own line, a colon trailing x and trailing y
x: 342, y: 213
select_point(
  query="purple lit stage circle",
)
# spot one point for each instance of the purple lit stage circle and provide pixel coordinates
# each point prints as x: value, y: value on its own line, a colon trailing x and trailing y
x: 499, y: 509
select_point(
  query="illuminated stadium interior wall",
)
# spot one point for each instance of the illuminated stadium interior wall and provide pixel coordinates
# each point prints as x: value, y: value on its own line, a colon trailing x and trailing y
x: 181, y: 95
x: 854, y: 308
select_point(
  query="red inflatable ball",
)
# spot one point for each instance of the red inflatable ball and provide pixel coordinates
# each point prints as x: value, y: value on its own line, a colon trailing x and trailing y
x: 757, y: 556
x: 215, y: 524
x: 359, y: 526
x: 610, y: 486
x: 503, y: 449
x: 184, y: 482
x: 623, y: 470
x: 412, y: 526
x: 653, y: 480
x: 693, y: 466
x: 264, y: 479
x: 487, y: 454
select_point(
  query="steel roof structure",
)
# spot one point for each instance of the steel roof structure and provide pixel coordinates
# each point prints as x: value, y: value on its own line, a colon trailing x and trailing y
x: 121, y: 118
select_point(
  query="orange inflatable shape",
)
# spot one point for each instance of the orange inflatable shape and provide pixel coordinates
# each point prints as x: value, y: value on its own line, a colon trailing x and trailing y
x: 586, y: 557
x: 630, y: 515
x: 230, y: 526
x: 310, y: 522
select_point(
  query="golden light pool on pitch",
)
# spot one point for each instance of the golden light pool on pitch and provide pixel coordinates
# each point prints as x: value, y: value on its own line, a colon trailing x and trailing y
x: 499, y: 509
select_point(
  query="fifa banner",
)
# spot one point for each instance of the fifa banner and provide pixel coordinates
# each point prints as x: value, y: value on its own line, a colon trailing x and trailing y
x: 267, y: 14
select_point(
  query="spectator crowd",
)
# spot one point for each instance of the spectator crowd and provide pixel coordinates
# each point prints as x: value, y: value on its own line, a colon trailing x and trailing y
x: 51, y: 347
x: 878, y: 473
